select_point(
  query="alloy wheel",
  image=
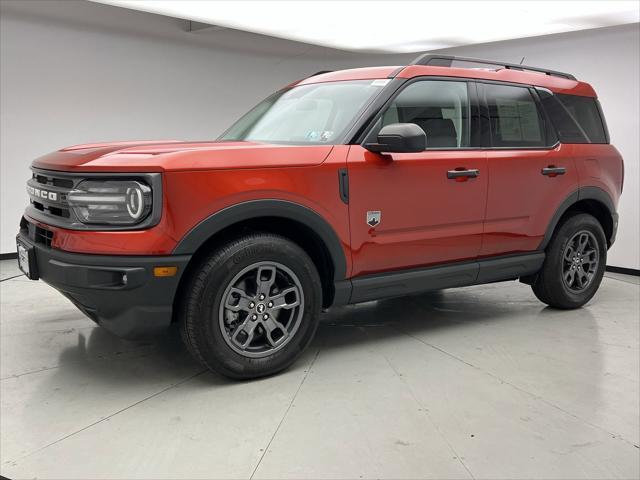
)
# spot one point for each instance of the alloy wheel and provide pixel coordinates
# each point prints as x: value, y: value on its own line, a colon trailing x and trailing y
x: 261, y: 309
x: 580, y: 261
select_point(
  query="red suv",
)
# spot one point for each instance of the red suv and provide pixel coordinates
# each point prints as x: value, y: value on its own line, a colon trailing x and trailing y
x: 341, y: 188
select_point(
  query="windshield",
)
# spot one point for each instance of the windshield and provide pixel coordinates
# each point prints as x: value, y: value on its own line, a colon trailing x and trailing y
x: 319, y: 113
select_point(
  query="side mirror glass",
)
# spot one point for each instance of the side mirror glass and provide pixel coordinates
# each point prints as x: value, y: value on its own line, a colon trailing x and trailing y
x: 399, y: 138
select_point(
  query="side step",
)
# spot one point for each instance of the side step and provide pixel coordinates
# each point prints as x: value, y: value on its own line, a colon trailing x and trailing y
x: 407, y: 282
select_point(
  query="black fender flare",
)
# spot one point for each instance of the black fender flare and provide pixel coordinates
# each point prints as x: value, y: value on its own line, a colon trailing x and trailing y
x: 583, y: 193
x: 226, y: 217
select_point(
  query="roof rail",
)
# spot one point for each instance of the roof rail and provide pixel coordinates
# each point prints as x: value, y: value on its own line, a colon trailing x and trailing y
x: 319, y: 73
x: 446, y: 61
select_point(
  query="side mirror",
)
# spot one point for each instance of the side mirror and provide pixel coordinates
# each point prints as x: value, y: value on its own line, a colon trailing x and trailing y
x: 399, y: 138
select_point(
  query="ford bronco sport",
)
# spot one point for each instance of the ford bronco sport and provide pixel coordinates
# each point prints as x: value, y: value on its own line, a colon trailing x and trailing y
x: 341, y: 188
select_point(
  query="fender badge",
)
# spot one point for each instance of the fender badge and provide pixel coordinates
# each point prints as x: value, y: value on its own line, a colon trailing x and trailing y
x: 373, y: 218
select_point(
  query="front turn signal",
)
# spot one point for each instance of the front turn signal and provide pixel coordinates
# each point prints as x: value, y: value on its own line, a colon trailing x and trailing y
x: 164, y: 271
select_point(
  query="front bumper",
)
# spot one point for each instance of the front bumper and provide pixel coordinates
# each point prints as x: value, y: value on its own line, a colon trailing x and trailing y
x: 118, y: 292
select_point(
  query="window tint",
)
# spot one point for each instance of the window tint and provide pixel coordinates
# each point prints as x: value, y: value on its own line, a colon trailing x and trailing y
x: 584, y: 111
x: 514, y: 116
x: 568, y: 130
x: 577, y: 119
x: 440, y: 108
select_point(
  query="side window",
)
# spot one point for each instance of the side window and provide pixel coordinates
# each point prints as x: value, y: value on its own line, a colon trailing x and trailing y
x: 577, y: 119
x: 440, y: 108
x: 584, y: 111
x: 568, y: 129
x: 515, y: 120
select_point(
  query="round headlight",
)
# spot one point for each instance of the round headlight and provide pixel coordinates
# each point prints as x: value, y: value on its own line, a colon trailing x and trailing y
x: 111, y: 202
x: 135, y: 202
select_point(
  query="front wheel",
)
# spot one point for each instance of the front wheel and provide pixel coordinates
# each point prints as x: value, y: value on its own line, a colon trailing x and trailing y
x: 252, y: 306
x: 574, y: 265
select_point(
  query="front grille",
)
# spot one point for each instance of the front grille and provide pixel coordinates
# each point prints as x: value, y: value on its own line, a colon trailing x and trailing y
x: 48, y: 193
x: 51, y: 180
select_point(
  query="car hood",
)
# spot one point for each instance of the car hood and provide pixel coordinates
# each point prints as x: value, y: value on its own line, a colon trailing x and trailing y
x: 174, y: 155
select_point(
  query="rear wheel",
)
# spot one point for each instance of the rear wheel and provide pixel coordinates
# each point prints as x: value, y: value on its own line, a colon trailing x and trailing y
x: 574, y: 265
x: 252, y: 306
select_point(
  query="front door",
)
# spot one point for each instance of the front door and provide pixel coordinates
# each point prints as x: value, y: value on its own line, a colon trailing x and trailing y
x: 417, y: 209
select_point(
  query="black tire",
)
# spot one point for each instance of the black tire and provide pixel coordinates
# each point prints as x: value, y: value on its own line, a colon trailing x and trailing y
x: 551, y: 285
x: 204, y: 319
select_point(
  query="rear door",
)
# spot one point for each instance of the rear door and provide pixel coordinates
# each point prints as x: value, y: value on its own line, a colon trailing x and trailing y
x: 530, y: 172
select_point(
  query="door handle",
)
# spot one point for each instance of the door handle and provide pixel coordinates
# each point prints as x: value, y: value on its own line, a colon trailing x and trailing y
x: 553, y: 171
x: 461, y: 174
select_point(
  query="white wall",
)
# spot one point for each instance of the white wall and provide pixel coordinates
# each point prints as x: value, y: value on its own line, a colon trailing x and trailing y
x: 75, y: 72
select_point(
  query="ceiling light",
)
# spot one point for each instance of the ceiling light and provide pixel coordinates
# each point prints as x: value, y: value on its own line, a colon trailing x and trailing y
x: 395, y: 26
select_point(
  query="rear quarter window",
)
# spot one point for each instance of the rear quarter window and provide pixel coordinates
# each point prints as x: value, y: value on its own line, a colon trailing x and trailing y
x: 586, y: 112
x: 576, y: 119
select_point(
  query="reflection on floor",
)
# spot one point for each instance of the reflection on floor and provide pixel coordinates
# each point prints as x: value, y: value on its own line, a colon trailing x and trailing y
x: 475, y: 382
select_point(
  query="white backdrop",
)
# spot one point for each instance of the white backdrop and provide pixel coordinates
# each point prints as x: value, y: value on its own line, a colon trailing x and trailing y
x: 75, y: 72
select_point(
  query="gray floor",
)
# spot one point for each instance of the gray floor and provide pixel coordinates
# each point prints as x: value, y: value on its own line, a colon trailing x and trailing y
x: 480, y: 382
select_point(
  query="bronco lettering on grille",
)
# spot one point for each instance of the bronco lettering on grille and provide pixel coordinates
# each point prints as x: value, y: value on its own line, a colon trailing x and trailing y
x: 44, y: 194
